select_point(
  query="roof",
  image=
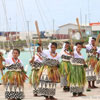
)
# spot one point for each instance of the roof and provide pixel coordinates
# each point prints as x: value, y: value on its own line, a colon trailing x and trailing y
x: 95, y: 24
x: 67, y: 24
x: 73, y: 24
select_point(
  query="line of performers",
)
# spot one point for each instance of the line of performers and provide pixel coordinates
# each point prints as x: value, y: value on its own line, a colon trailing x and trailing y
x: 67, y: 67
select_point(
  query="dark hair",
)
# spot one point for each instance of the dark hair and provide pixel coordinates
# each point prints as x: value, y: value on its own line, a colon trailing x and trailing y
x: 93, y: 38
x: 37, y: 48
x: 17, y: 51
x: 79, y: 43
x: 38, y: 44
x: 67, y: 42
x: 54, y: 43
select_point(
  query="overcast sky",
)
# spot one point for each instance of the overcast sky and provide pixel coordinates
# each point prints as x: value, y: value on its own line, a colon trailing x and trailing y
x: 45, y: 11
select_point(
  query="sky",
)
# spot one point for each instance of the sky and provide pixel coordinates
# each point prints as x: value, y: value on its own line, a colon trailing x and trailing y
x: 19, y: 14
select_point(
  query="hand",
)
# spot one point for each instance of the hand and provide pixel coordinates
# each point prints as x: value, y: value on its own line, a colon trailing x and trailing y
x: 1, y: 54
x: 32, y: 60
x: 94, y: 47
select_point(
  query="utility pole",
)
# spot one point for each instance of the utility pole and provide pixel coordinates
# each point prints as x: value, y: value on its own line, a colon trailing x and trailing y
x: 80, y: 16
x: 28, y: 27
x: 53, y: 26
x: 89, y: 18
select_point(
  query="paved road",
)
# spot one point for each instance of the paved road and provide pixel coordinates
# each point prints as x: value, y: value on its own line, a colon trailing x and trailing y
x: 60, y: 95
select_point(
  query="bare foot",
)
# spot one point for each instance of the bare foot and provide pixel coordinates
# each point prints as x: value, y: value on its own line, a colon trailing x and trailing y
x: 89, y: 87
x: 82, y: 95
x: 53, y: 98
x: 35, y: 95
x: 93, y: 87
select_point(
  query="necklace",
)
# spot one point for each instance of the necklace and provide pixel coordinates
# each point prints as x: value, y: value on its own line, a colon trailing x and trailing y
x: 15, y: 61
x: 53, y: 55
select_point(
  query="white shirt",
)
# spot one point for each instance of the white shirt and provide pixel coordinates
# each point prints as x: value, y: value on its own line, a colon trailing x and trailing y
x: 89, y: 47
x: 48, y: 55
x: 76, y: 55
x: 75, y: 48
x: 63, y: 53
x: 37, y: 58
x: 9, y: 61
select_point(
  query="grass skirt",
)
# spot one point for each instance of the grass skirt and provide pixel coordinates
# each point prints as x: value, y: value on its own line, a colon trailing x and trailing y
x: 90, y: 71
x: 14, y: 82
x: 77, y: 75
x: 64, y: 73
x: 77, y: 78
x: 92, y: 61
x: 97, y: 71
x: 34, y: 80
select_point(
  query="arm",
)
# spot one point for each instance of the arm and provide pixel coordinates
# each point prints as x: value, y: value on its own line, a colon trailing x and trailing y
x: 71, y: 53
x: 1, y: 56
x: 32, y: 60
x: 98, y: 55
x: 83, y: 46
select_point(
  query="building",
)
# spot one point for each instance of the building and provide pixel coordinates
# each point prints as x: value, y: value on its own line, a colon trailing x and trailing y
x: 13, y: 36
x: 70, y: 29
x: 95, y: 28
x: 4, y: 36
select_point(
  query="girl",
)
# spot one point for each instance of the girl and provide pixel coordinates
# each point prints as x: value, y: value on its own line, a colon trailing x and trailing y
x: 36, y: 63
x: 91, y: 61
x: 1, y: 63
x: 15, y: 77
x: 49, y: 74
x: 65, y: 66
x: 77, y: 72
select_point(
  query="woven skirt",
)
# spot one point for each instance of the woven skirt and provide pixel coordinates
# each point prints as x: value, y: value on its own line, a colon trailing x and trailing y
x: 48, y: 80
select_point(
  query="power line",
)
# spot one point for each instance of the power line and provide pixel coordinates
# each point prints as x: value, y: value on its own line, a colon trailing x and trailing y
x: 40, y: 14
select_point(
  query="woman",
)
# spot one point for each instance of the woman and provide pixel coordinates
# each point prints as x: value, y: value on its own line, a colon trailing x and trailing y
x: 91, y: 50
x: 65, y: 66
x: 1, y: 63
x: 36, y: 63
x: 97, y: 67
x: 49, y: 74
x: 15, y: 77
x: 77, y: 72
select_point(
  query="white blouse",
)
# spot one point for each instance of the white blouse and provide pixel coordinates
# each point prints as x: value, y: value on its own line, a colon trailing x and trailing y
x: 66, y: 54
x: 9, y: 61
x: 48, y: 55
x: 38, y: 57
x: 89, y: 47
x: 77, y: 55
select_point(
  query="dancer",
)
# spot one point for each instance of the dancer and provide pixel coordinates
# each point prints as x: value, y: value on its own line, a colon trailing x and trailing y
x: 97, y: 67
x: 77, y: 72
x: 91, y: 50
x: 49, y: 74
x: 15, y: 77
x: 65, y: 66
x: 36, y: 63
x: 1, y: 63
